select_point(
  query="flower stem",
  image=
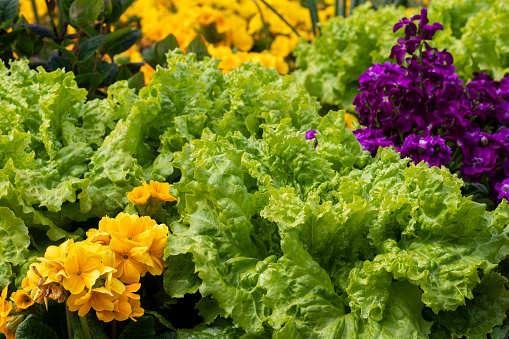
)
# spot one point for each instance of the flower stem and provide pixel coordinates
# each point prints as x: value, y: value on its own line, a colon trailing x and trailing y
x: 84, y: 327
x: 36, y: 15
x: 68, y: 316
x: 114, y: 329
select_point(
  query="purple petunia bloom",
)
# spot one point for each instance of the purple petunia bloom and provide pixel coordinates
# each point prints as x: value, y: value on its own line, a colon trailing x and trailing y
x: 503, y: 189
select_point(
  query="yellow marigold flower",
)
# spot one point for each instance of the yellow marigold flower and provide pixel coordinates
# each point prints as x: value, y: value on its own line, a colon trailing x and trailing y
x: 349, y: 119
x: 22, y: 299
x: 82, y: 268
x: 139, y: 195
x: 129, y: 261
x: 160, y: 190
x: 98, y: 298
x: 121, y: 310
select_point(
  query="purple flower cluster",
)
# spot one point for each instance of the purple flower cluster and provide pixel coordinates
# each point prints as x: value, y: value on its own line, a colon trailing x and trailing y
x: 420, y: 106
x: 431, y: 149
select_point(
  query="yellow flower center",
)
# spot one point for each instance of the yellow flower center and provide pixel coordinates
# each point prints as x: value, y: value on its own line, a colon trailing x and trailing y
x: 125, y: 257
x: 79, y: 272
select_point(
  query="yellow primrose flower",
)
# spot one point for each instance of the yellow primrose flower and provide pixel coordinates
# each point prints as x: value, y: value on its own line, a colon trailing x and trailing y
x: 33, y: 276
x: 121, y: 310
x: 22, y: 299
x: 148, y: 71
x: 54, y: 259
x: 282, y: 46
x: 26, y: 9
x: 136, y: 310
x: 97, y: 236
x: 130, y: 289
x: 98, y: 298
x: 349, y: 119
x: 82, y: 268
x: 131, y: 227
x: 155, y: 243
x: 9, y: 334
x: 129, y: 261
x: 139, y: 195
x: 160, y: 190
x: 108, y: 225
x: 111, y: 283
x: 5, y: 307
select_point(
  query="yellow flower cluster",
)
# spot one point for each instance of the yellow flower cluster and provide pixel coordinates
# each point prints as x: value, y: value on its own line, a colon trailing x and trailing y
x: 102, y: 272
x: 231, y: 28
x: 150, y: 197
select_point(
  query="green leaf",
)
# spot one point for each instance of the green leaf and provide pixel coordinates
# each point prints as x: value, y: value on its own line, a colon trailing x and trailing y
x: 14, y: 239
x: 40, y: 30
x: 84, y: 12
x: 90, y: 46
x: 95, y: 326
x: 198, y: 47
x: 137, y: 81
x: 8, y: 10
x: 70, y: 56
x: 66, y: 6
x: 163, y: 46
x: 60, y: 63
x: 143, y: 328
x: 122, y: 43
x: 32, y: 328
x: 480, y: 315
x: 179, y: 277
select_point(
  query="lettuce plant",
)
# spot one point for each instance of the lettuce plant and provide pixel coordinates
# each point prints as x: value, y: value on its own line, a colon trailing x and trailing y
x: 285, y: 240
x: 66, y: 162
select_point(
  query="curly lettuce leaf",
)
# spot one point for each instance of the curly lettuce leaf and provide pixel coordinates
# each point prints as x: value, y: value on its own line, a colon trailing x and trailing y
x: 14, y: 242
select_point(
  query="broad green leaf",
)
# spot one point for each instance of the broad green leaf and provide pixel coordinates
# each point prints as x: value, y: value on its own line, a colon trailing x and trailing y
x: 8, y: 10
x: 198, y: 47
x: 122, y: 43
x: 84, y: 12
x: 143, y: 328
x: 163, y: 46
x: 90, y: 46
x: 32, y: 328
x: 137, y: 81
